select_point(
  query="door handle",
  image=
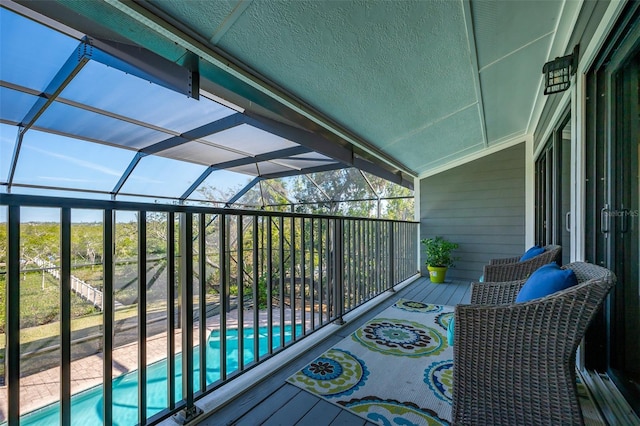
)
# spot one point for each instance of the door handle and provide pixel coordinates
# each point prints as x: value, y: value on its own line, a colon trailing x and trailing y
x: 604, y: 219
x: 624, y: 224
x: 567, y: 221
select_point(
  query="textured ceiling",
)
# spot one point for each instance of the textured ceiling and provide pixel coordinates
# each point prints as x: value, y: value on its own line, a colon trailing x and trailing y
x: 419, y: 83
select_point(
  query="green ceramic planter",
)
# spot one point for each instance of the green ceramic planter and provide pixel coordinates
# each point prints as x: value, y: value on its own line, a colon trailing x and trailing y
x: 437, y: 274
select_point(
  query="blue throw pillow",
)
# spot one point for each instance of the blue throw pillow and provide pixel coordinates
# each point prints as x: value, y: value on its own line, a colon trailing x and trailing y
x: 450, y: 332
x: 546, y: 280
x: 531, y: 253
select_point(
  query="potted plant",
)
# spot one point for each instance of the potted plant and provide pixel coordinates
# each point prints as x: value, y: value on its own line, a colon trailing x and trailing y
x: 439, y: 258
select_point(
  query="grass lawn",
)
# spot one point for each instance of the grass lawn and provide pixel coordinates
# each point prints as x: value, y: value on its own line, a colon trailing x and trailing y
x: 40, y: 312
x: 40, y: 309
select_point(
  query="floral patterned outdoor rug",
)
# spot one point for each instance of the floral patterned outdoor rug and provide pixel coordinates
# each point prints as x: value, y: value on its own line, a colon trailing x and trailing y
x: 395, y: 369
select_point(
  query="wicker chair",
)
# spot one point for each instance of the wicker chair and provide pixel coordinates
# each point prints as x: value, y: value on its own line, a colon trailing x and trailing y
x: 514, y: 363
x: 511, y: 269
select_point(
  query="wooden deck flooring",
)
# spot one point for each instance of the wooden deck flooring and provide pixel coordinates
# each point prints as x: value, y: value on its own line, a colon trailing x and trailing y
x: 275, y: 402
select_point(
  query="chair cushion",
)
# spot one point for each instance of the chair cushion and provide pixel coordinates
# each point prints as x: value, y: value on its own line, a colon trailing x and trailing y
x: 546, y: 280
x: 531, y: 253
x: 450, y: 332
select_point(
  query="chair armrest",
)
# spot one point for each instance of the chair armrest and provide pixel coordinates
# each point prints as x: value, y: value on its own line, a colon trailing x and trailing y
x: 504, y: 260
x: 513, y: 271
x: 507, y: 358
x: 517, y: 361
x: 491, y: 293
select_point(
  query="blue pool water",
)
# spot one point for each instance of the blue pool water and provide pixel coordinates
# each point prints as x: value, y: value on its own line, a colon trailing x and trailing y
x: 86, y: 406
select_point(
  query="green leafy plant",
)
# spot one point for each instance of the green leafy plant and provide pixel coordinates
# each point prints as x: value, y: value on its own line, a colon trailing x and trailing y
x: 438, y: 252
x: 262, y: 292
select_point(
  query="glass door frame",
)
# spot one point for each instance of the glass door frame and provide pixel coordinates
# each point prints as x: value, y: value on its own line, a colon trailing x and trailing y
x: 549, y: 219
x: 621, y: 254
x: 604, y: 181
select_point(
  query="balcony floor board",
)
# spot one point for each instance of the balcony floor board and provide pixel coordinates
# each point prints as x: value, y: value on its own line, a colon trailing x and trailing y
x: 275, y: 402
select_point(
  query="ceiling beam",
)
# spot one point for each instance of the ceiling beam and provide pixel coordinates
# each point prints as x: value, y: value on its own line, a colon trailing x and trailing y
x: 374, y: 169
x: 318, y: 169
x: 67, y: 72
x: 473, y: 57
x: 197, y: 183
x: 243, y: 191
x: 74, y: 63
x: 311, y: 140
x: 273, y: 155
x: 145, y: 64
x: 319, y: 144
x: 208, y: 129
x: 132, y: 165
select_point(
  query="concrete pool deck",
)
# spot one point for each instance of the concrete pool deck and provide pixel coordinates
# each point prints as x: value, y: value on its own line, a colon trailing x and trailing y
x: 43, y: 388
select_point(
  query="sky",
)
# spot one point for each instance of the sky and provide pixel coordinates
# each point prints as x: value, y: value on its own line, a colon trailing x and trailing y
x: 31, y: 55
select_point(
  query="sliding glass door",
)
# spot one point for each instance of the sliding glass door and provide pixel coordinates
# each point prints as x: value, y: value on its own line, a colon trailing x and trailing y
x: 553, y: 190
x: 624, y: 364
x: 613, y: 207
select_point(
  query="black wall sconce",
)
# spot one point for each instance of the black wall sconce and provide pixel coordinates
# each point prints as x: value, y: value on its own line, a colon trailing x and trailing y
x: 557, y: 73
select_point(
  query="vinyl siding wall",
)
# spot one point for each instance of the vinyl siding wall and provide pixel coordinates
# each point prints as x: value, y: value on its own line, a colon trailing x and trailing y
x: 481, y: 206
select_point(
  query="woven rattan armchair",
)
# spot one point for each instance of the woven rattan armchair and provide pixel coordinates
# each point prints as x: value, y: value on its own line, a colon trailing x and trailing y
x: 511, y: 269
x: 514, y: 363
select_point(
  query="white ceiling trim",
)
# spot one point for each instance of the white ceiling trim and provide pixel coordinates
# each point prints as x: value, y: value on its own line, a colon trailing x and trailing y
x: 231, y: 19
x: 476, y: 155
x: 507, y: 138
x: 585, y: 61
x: 524, y: 46
x: 221, y: 101
x: 568, y: 18
x: 429, y: 124
x: 608, y: 21
x: 555, y: 118
x: 473, y: 56
x: 473, y: 148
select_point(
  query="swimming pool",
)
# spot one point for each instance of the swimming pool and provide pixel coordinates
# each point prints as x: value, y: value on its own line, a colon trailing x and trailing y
x: 86, y: 406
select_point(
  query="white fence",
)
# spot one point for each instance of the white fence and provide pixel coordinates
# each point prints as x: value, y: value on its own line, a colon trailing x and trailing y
x: 79, y: 287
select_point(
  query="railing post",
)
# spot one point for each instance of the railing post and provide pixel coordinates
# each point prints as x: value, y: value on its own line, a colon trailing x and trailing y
x: 256, y: 296
x: 142, y: 317
x: 292, y: 278
x: 321, y: 264
x: 65, y: 316
x: 416, y: 248
x: 281, y: 278
x: 312, y: 290
x: 392, y: 266
x: 13, y: 316
x: 224, y: 257
x: 269, y: 255
x: 171, y: 323
x: 107, y: 317
x: 378, y: 257
x: 190, y: 412
x: 240, y: 284
x: 303, y: 275
x: 338, y: 269
x: 202, y: 302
